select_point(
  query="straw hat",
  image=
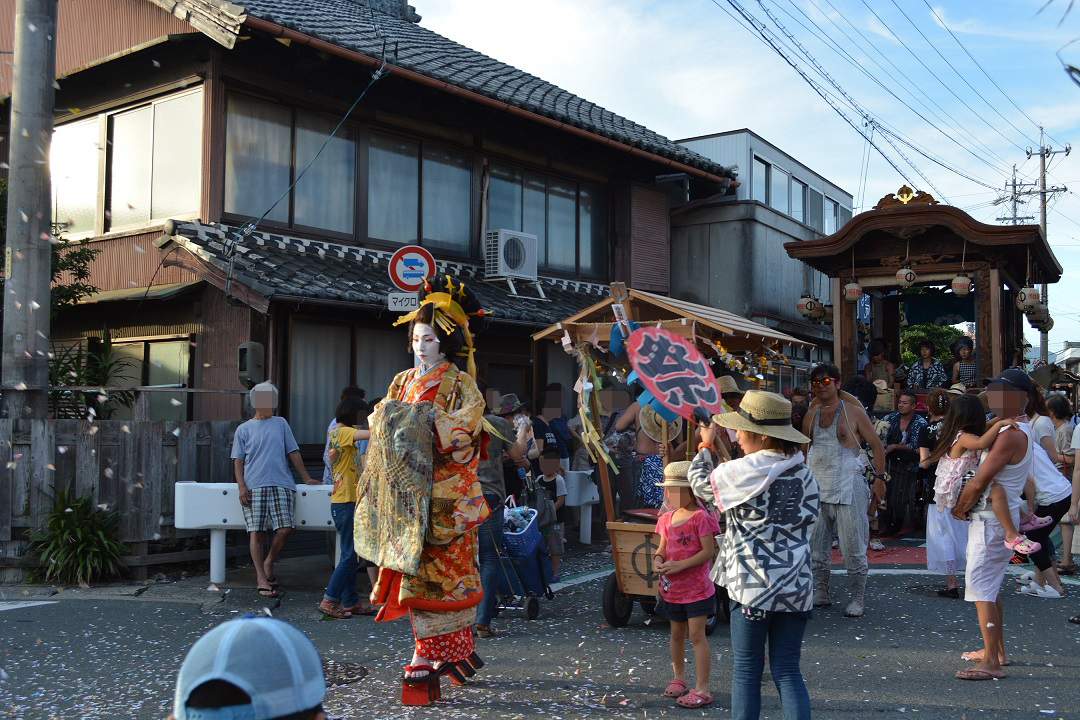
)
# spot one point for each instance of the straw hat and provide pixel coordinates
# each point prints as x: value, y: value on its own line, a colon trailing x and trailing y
x: 653, y: 425
x: 764, y: 413
x: 958, y: 389
x: 675, y: 475
x: 727, y: 385
x: 508, y: 405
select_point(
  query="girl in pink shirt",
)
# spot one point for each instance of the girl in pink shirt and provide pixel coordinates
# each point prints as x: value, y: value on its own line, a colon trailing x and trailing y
x: 687, y: 546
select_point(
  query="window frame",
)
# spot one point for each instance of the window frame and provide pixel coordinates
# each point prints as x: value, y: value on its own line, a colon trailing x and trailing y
x: 103, y: 189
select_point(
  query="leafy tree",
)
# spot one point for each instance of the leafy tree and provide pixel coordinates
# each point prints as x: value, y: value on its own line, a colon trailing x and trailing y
x: 942, y: 335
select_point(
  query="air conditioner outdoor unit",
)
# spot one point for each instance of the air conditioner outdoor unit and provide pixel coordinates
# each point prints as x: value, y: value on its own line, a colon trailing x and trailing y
x: 509, y: 254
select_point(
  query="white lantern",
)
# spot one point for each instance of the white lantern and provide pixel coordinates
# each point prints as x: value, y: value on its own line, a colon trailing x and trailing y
x: 853, y: 291
x: 906, y: 276
x: 1028, y: 298
x: 806, y: 305
x: 961, y: 284
x: 818, y: 311
x: 1038, y: 315
x: 827, y: 314
x: 1048, y: 325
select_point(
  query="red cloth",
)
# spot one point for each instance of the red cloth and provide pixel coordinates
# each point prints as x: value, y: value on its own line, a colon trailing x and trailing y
x: 451, y: 647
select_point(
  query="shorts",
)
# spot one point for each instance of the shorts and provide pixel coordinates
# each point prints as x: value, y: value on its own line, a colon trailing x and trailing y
x: 681, y: 612
x: 270, y: 508
x: 556, y: 542
x: 987, y: 558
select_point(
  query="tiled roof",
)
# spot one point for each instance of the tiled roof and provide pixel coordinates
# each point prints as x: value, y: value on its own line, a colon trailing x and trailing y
x: 275, y: 265
x: 359, y: 25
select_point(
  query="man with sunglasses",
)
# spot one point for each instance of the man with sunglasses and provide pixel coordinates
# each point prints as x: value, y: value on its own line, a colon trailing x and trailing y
x: 837, y: 430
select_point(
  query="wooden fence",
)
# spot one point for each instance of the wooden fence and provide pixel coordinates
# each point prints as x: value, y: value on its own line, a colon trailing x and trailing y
x: 129, y: 466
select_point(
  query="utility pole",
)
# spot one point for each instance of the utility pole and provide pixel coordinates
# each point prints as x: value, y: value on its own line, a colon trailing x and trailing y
x: 1017, y: 189
x: 27, y: 262
x: 1045, y: 152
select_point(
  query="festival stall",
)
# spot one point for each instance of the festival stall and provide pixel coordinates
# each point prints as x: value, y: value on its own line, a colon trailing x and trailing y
x: 668, y: 353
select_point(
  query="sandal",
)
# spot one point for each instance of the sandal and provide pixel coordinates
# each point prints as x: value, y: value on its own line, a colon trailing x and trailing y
x: 1075, y: 619
x: 675, y: 689
x: 1022, y: 545
x: 361, y: 608
x: 1069, y: 569
x: 976, y: 674
x: 953, y: 593
x: 694, y: 699
x: 266, y: 592
x: 334, y: 610
x: 1034, y: 523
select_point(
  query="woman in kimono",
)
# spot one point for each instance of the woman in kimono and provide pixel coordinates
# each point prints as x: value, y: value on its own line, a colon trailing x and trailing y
x: 438, y: 406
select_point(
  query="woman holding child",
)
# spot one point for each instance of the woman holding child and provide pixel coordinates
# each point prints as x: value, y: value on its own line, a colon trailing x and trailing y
x: 771, y: 502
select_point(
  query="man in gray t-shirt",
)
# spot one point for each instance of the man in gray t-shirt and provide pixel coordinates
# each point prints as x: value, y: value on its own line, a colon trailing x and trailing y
x: 267, y: 489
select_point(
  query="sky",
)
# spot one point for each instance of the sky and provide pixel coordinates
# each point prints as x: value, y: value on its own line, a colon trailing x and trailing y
x: 964, y: 83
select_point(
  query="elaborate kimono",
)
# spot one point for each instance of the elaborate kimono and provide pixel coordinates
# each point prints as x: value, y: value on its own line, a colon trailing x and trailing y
x: 443, y: 594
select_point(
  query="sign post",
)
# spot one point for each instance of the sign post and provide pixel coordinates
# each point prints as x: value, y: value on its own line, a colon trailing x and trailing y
x: 409, y: 267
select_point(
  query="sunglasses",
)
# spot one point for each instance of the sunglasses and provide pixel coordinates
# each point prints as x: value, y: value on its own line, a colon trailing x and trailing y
x: 826, y: 382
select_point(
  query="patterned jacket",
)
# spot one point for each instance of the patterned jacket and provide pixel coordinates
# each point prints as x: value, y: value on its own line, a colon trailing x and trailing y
x: 771, y: 502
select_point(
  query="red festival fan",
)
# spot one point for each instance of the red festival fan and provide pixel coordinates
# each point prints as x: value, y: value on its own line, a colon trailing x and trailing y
x: 675, y: 373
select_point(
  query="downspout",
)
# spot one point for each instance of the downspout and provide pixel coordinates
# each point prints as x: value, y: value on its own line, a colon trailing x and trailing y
x: 283, y: 32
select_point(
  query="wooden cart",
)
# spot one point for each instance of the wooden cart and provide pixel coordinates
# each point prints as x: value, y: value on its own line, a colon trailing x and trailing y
x: 634, y: 542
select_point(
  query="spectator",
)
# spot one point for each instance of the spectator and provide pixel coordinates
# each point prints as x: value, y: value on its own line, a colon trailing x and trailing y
x: 799, y: 396
x: 328, y: 462
x: 503, y: 443
x: 514, y: 469
x: 965, y: 370
x: 862, y: 357
x: 863, y: 390
x: 556, y: 420
x: 551, y: 481
x: 901, y: 441
x: 882, y: 373
x: 542, y: 434
x: 650, y: 452
x: 946, y: 537
x: 927, y: 372
x: 267, y: 489
x: 340, y: 599
x: 255, y: 668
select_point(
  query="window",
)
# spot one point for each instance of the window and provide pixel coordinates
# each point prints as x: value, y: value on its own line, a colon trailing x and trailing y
x: 798, y: 200
x: 568, y: 219
x: 73, y: 161
x: 778, y: 190
x: 418, y: 190
x: 153, y: 166
x: 759, y: 181
x: 845, y: 215
x: 156, y: 363
x: 813, y: 209
x: 267, y: 146
x: 831, y: 216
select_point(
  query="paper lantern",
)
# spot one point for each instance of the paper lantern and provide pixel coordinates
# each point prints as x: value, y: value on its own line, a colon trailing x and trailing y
x: 853, y: 291
x: 818, y: 312
x: 1038, y: 315
x: 961, y: 284
x: 1048, y: 325
x: 1028, y: 298
x: 906, y: 276
x: 807, y: 305
x: 827, y: 314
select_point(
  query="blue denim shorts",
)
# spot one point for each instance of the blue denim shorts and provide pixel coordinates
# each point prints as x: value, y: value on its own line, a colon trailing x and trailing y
x: 681, y: 612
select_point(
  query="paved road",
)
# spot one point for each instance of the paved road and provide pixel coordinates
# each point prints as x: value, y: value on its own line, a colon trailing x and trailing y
x: 113, y: 653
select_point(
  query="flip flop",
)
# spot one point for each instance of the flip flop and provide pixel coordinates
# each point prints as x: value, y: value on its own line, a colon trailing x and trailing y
x: 694, y: 699
x: 976, y: 674
x: 273, y: 582
x: 267, y: 592
x: 675, y: 689
x: 1075, y: 619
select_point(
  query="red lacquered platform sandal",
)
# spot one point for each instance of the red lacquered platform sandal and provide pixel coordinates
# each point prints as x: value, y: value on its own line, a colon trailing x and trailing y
x: 420, y: 690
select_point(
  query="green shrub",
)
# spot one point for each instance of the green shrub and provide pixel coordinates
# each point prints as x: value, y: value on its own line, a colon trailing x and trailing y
x: 77, y: 543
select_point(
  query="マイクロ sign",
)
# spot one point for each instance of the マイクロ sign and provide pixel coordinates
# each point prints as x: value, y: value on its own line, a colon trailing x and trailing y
x: 402, y: 301
x: 674, y: 371
x: 410, y: 266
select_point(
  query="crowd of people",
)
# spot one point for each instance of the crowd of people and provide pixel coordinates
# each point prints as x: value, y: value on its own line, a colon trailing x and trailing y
x: 995, y: 471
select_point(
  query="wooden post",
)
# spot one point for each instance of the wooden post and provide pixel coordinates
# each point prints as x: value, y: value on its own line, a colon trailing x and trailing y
x: 844, y: 336
x: 984, y: 328
x: 997, y: 328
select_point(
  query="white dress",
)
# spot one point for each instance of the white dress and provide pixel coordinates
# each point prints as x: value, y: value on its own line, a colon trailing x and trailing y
x: 946, y: 537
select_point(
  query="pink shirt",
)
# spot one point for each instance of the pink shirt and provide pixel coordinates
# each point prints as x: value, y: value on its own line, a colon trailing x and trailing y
x: 682, y: 542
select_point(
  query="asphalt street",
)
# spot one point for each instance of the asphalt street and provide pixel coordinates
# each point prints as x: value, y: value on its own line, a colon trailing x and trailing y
x: 113, y: 652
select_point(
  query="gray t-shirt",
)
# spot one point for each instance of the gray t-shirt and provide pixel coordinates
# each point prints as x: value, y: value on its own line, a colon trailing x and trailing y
x: 264, y: 446
x: 490, y: 471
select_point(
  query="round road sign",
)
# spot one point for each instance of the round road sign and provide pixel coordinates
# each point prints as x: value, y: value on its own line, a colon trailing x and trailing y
x: 410, y: 266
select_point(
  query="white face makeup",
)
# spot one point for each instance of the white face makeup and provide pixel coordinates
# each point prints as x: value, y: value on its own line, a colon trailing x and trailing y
x: 425, y: 345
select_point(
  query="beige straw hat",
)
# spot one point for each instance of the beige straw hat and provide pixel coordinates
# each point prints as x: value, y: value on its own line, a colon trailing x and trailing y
x: 958, y: 389
x: 675, y: 475
x: 653, y: 425
x: 727, y: 385
x: 764, y: 413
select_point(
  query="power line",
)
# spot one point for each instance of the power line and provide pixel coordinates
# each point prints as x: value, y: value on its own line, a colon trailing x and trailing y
x: 957, y: 72
x: 979, y: 65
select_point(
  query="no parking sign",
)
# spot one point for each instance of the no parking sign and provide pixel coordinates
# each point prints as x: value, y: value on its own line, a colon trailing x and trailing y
x: 410, y: 266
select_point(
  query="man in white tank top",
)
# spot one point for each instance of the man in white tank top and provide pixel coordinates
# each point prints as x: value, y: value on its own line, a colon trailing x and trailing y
x: 1008, y: 462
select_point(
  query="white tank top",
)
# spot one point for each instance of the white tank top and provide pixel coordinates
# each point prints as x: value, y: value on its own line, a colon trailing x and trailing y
x: 1013, y: 478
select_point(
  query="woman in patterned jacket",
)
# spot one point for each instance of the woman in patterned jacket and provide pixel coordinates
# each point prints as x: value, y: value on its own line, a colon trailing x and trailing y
x: 771, y: 502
